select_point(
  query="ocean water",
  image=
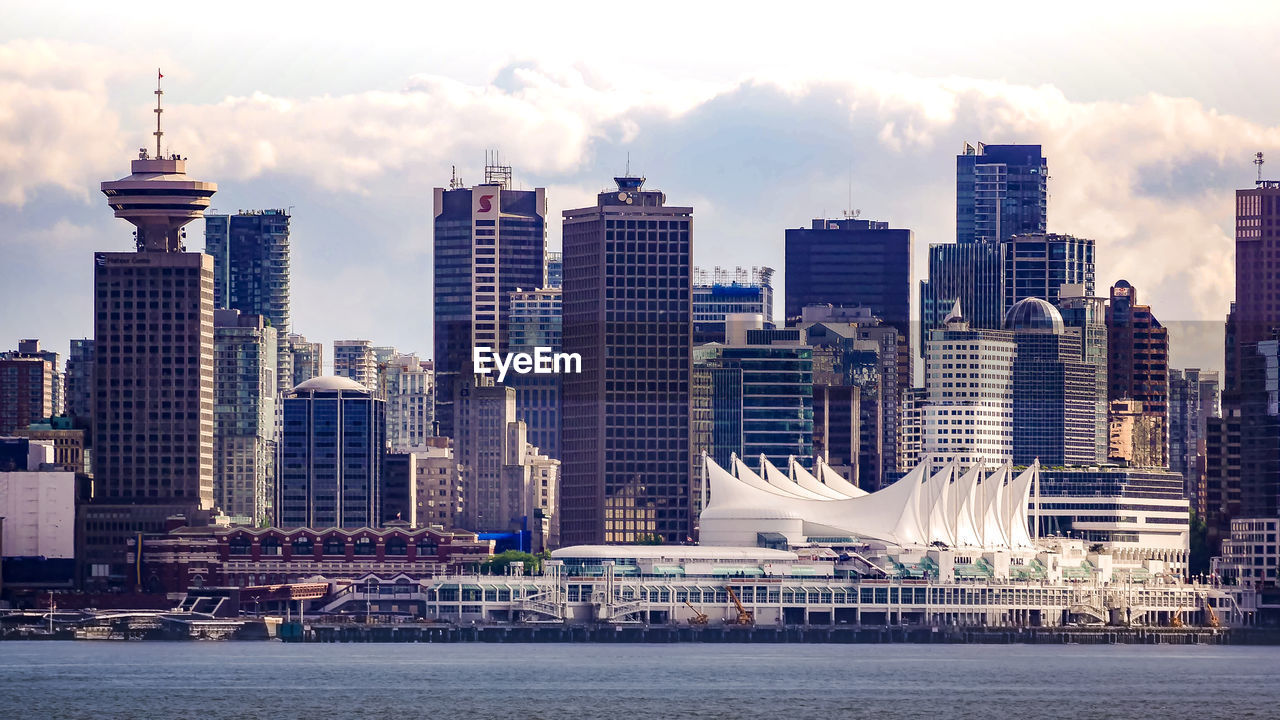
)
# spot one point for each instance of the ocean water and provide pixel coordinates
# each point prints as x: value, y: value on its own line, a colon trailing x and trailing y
x: 250, y: 680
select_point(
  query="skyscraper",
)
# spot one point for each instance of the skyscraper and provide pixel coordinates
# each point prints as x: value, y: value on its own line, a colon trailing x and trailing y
x: 26, y: 390
x: 331, y: 455
x: 250, y: 253
x: 1193, y: 399
x: 408, y: 385
x: 1085, y: 316
x: 972, y: 273
x: 1039, y: 265
x: 153, y: 370
x: 1138, y: 357
x: 354, y: 360
x: 1055, y: 390
x: 244, y: 413
x: 489, y: 242
x: 776, y: 396
x: 968, y: 414
x: 1001, y: 191
x: 625, y: 421
x: 850, y: 262
x: 308, y: 358
x: 79, y: 383
x: 723, y: 292
x: 536, y: 321
x: 1257, y: 306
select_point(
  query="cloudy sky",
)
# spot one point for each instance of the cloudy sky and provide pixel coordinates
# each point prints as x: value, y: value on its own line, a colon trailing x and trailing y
x: 760, y: 116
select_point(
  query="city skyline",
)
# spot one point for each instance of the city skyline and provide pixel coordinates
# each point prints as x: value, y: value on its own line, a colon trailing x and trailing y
x: 1138, y: 165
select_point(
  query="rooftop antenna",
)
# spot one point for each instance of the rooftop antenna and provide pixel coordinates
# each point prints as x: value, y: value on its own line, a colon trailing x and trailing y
x: 1258, y: 160
x: 159, y: 133
x: 627, y: 171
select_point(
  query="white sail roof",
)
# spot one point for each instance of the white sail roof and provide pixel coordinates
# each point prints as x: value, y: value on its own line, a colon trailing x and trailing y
x: 833, y: 480
x: 804, y: 479
x: 969, y: 509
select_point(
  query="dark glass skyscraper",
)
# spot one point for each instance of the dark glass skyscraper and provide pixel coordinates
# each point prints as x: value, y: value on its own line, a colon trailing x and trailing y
x: 489, y: 242
x: 849, y: 262
x: 331, y: 455
x: 250, y: 253
x: 625, y: 440
x: 1001, y: 191
x: 972, y: 273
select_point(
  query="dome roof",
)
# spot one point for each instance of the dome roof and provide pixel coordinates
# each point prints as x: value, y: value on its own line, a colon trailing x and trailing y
x: 329, y: 383
x: 1034, y: 315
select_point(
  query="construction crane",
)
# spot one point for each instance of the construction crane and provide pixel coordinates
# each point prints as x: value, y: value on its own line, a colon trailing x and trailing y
x: 1176, y: 620
x: 699, y: 617
x: 745, y: 617
x: 1210, y: 615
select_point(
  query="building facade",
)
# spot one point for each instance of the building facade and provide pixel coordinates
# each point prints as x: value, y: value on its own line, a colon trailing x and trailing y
x: 1001, y: 191
x: 308, y: 358
x: 153, y: 366
x: 969, y: 380
x: 244, y: 416
x: 331, y: 455
x: 489, y: 242
x: 971, y: 273
x: 625, y: 423
x: 1039, y: 265
x: 1138, y: 361
x: 26, y: 391
x: 408, y: 385
x: 79, y: 383
x: 1193, y: 399
x: 851, y: 263
x: 354, y: 360
x: 724, y: 292
x: 250, y: 253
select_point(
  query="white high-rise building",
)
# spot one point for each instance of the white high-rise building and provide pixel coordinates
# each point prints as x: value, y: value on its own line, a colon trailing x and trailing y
x: 408, y: 384
x: 968, y: 415
x: 354, y: 360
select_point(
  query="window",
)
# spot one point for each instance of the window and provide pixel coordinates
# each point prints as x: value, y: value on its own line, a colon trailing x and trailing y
x: 335, y: 546
x: 241, y: 545
x: 365, y: 546
x: 303, y: 546
x: 397, y: 546
x: 427, y: 546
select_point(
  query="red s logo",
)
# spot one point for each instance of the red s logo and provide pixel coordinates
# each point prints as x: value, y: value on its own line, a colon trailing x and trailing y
x: 485, y: 205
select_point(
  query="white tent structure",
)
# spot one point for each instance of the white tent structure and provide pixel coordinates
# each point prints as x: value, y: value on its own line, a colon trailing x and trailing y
x: 972, y: 509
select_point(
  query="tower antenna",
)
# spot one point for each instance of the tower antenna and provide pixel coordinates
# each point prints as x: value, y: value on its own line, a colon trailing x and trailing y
x: 1258, y: 160
x: 159, y: 110
x: 627, y: 171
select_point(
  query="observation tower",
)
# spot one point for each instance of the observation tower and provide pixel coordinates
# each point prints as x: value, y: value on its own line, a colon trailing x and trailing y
x: 158, y: 197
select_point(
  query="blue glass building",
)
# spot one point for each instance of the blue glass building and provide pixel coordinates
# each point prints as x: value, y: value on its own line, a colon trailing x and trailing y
x: 331, y: 455
x: 1001, y: 191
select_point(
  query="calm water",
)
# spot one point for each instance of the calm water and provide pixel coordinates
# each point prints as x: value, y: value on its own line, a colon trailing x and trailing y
x: 248, y: 681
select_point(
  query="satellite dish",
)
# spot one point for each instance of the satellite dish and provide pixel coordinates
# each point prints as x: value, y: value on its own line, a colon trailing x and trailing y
x: 624, y: 197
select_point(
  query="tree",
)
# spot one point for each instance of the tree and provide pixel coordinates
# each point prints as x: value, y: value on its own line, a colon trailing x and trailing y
x: 497, y: 564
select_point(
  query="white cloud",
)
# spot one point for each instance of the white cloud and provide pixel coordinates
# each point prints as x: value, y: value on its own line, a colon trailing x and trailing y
x: 1149, y: 178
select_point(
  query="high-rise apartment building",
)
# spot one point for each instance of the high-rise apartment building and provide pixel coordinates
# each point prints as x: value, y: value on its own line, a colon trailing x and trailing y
x: 724, y: 292
x: 26, y: 391
x: 489, y: 242
x: 354, y: 360
x: 153, y: 365
x: 408, y: 385
x: 308, y: 358
x: 1135, y: 437
x: 1001, y: 191
x: 1138, y: 360
x: 30, y: 348
x: 244, y: 413
x: 331, y: 455
x: 79, y: 383
x: 250, y: 253
x: 969, y: 383
x: 536, y: 321
x: 1193, y: 399
x: 1222, y: 473
x: 625, y: 421
x: 1259, y: 429
x: 852, y: 263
